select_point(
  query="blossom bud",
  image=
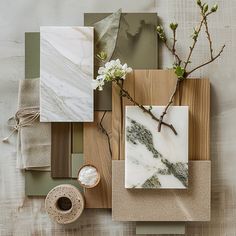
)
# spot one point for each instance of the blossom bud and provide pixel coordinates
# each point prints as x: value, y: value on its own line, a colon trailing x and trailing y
x: 214, y: 8
x: 199, y: 3
x: 173, y: 26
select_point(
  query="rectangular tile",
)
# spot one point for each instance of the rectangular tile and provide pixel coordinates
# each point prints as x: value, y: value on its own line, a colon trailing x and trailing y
x: 137, y: 39
x: 77, y: 137
x: 160, y: 228
x: 192, y: 204
x: 96, y: 152
x: 156, y: 159
x: 32, y: 70
x: 61, y: 150
x: 39, y: 183
x: 77, y: 160
x: 66, y: 73
x: 32, y: 55
x: 155, y: 87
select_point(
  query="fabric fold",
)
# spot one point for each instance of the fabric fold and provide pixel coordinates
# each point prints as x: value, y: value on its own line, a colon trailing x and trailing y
x: 34, y: 137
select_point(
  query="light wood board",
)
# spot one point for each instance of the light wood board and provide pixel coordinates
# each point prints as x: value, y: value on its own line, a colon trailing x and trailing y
x: 154, y: 87
x: 96, y: 152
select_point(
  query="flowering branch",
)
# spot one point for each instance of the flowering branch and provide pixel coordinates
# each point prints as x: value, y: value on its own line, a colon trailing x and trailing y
x: 144, y: 109
x: 116, y: 73
x: 181, y: 66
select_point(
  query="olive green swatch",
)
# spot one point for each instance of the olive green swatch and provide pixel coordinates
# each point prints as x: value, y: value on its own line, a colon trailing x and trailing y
x: 77, y: 137
x: 136, y: 45
x: 77, y: 162
x: 32, y: 55
x: 39, y: 183
x: 160, y: 228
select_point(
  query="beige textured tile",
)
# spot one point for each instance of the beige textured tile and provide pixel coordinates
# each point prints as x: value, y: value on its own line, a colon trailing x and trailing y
x: 192, y: 204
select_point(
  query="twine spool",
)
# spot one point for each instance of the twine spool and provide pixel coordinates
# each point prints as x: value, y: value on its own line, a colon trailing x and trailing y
x: 64, y: 204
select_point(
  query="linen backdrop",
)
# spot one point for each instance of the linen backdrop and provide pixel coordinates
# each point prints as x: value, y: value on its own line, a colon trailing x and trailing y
x: 24, y: 216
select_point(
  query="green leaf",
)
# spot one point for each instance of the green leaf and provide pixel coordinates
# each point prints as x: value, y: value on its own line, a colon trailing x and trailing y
x: 179, y: 71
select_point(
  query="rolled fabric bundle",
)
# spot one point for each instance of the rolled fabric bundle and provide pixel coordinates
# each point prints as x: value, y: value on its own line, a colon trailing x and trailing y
x: 64, y: 204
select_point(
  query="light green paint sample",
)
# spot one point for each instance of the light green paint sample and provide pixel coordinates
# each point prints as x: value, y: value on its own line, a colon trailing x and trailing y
x: 32, y: 55
x: 160, y: 228
x: 77, y: 161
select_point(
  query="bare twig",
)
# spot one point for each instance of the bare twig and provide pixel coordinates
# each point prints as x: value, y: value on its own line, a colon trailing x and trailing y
x: 208, y: 36
x: 148, y: 111
x: 204, y: 13
x: 171, y: 100
x: 173, y: 53
x: 104, y: 131
x: 206, y: 63
x: 174, y: 41
x: 194, y: 43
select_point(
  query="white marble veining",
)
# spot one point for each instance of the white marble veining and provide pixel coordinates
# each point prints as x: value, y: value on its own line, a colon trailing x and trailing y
x: 66, y: 72
x: 156, y: 159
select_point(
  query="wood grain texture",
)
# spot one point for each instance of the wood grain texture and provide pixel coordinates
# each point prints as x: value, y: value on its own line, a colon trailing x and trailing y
x: 61, y: 150
x: 195, y: 93
x: 154, y: 87
x: 96, y: 152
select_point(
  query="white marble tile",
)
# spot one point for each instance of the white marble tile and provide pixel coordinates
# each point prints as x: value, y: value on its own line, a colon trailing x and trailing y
x: 66, y: 72
x: 156, y: 159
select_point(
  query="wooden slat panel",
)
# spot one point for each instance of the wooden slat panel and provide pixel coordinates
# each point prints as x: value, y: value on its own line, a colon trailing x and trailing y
x: 154, y: 87
x: 163, y: 83
x: 96, y: 152
x: 61, y: 150
x: 196, y: 95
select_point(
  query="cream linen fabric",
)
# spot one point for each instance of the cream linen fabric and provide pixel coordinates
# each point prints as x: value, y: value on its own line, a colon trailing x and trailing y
x: 34, y: 140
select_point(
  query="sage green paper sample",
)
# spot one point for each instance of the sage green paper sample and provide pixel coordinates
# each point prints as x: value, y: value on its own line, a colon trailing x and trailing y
x: 32, y: 55
x: 160, y: 228
x: 77, y: 162
x: 136, y: 45
x: 39, y: 183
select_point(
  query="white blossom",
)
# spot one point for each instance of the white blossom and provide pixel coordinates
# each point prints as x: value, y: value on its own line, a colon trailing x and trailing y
x: 111, y: 71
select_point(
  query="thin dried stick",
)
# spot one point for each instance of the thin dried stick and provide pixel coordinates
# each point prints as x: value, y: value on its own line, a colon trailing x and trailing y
x: 104, y: 131
x: 208, y: 37
x: 171, y: 100
x: 206, y: 63
x: 204, y: 18
x: 148, y: 111
x: 173, y: 52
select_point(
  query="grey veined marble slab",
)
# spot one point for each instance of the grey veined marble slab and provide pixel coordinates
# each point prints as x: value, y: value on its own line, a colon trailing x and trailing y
x: 156, y: 159
x: 66, y: 72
